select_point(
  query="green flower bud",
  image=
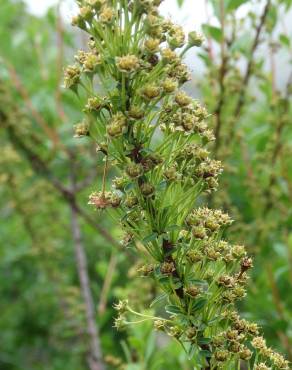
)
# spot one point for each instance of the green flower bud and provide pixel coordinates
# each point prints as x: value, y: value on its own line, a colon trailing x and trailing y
x: 131, y: 201
x: 195, y: 39
x: 182, y: 99
x: 221, y: 355
x: 81, y: 129
x: 106, y: 15
x: 128, y: 63
x: 134, y: 170
x: 245, y: 354
x: 72, y: 76
x: 152, y: 45
x: 192, y: 291
x: 147, y: 189
x: 169, y: 85
x: 136, y: 112
x: 86, y: 13
x: 150, y: 92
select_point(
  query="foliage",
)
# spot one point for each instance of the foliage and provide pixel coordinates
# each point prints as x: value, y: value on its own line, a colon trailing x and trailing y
x: 43, y: 322
x: 155, y: 135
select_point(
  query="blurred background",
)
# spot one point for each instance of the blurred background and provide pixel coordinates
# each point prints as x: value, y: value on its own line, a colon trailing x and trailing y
x: 62, y: 266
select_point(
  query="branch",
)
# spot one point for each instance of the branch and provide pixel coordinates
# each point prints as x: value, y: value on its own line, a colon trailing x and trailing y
x: 50, y: 132
x: 95, y: 358
x: 40, y: 167
x: 59, y: 63
x: 107, y: 283
x: 247, y: 76
x: 223, y: 70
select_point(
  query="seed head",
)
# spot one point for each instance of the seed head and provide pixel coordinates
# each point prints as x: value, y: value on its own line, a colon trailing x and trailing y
x: 169, y: 85
x: 147, y: 189
x: 150, y: 92
x: 81, y: 129
x: 152, y: 45
x: 106, y: 15
x: 72, y: 76
x: 195, y: 39
x: 134, y: 170
x: 182, y: 99
x: 221, y: 355
x: 245, y: 354
x: 167, y: 268
x: 128, y: 63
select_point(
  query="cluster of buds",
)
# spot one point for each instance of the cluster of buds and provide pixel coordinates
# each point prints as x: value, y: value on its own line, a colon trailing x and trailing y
x: 205, y: 221
x: 104, y: 200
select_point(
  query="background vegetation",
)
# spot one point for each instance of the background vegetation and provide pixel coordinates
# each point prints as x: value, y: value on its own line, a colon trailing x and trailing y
x: 46, y: 177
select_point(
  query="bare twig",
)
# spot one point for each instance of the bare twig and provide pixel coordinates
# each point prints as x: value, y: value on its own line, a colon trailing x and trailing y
x: 95, y: 357
x: 223, y: 70
x: 60, y: 59
x: 107, y: 283
x: 280, y: 310
x: 248, y: 73
x: 26, y: 98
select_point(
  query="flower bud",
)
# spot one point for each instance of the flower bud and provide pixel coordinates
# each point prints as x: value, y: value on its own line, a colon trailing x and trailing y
x: 106, y: 15
x: 192, y: 291
x: 169, y: 55
x: 150, y: 92
x: 245, y: 354
x: 131, y: 201
x: 72, y: 76
x: 182, y: 99
x: 128, y: 63
x: 147, y: 189
x: 152, y: 45
x: 167, y: 268
x: 169, y: 85
x: 221, y: 355
x: 120, y: 182
x: 93, y: 104
x: 195, y: 39
x: 81, y: 129
x: 86, y: 13
x: 134, y: 170
x: 91, y: 62
x: 136, y: 112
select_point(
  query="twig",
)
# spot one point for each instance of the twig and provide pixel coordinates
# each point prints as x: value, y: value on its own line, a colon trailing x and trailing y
x: 107, y: 283
x: 247, y: 76
x: 223, y: 70
x: 279, y: 308
x: 40, y: 167
x: 95, y: 358
x: 60, y: 58
x: 52, y: 134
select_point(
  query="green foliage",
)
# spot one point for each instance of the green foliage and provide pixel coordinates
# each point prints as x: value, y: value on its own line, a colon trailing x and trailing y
x: 43, y: 316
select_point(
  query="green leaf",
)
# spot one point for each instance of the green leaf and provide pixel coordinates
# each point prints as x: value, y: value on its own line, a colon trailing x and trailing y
x: 158, y: 299
x: 205, y: 353
x: 149, y: 238
x: 199, y: 304
x: 180, y: 3
x: 234, y: 4
x: 204, y: 340
x: 284, y: 40
x: 213, y: 32
x: 173, y: 309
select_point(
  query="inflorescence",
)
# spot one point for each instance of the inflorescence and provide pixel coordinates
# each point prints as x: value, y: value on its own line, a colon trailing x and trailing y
x: 156, y: 137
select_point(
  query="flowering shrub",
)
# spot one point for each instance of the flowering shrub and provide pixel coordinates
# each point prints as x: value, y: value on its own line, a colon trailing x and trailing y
x: 156, y: 137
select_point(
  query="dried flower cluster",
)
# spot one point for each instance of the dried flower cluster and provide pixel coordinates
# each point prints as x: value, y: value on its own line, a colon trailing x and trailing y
x: 156, y: 137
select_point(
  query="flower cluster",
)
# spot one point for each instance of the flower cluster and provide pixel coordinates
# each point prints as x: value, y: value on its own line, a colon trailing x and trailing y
x: 156, y: 137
